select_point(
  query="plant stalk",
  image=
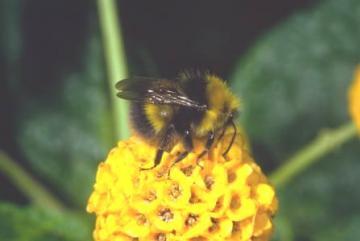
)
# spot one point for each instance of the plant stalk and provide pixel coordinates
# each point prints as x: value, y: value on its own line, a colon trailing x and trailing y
x: 33, y: 189
x: 116, y: 63
x: 325, y: 143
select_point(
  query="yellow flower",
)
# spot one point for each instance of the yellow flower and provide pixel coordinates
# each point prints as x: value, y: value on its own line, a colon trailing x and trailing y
x: 354, y: 99
x: 214, y: 198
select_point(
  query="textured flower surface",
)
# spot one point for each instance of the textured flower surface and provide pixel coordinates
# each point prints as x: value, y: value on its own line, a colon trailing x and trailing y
x: 208, y: 199
x: 354, y: 99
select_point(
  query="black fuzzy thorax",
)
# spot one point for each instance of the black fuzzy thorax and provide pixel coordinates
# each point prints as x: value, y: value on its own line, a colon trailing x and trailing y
x: 193, y: 84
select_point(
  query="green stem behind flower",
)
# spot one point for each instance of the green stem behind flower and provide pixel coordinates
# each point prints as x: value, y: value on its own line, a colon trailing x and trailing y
x: 116, y: 62
x: 326, y: 142
x: 28, y: 185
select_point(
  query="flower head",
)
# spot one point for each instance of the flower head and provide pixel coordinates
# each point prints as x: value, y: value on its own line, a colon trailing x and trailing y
x: 354, y: 99
x: 208, y: 199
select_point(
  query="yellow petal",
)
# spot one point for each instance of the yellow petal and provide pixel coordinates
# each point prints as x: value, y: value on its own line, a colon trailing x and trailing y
x: 263, y: 225
x: 264, y: 194
x: 241, y: 209
x: 166, y: 220
x: 220, y: 230
x: 195, y: 225
x: 243, y: 230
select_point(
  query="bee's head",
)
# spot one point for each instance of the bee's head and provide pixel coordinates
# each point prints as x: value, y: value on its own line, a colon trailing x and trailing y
x: 222, y: 105
x: 229, y: 111
x: 234, y: 113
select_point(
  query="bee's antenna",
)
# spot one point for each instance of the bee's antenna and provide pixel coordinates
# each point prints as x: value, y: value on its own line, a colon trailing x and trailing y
x: 232, y: 138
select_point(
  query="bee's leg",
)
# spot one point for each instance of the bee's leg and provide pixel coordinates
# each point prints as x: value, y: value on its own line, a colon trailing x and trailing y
x: 222, y: 132
x: 209, y: 142
x: 232, y: 138
x: 159, y: 154
x: 163, y: 143
x: 188, y: 144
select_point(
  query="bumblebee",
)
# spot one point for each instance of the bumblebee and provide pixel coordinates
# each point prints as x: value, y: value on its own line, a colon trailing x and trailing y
x: 166, y: 111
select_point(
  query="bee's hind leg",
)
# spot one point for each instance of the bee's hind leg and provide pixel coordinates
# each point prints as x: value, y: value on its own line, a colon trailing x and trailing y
x: 159, y: 154
x: 162, y: 145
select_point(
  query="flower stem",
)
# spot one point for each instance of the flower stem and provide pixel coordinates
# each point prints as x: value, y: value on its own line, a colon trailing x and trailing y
x: 116, y: 63
x: 28, y: 185
x: 326, y: 142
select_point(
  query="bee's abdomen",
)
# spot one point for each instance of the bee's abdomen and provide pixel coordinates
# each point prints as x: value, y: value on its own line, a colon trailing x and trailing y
x: 140, y: 122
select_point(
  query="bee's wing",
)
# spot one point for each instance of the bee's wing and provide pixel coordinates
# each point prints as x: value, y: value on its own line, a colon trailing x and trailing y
x: 133, y: 89
x: 144, y: 90
x: 172, y: 97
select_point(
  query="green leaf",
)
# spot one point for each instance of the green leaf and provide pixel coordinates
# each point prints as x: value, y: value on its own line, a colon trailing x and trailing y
x: 67, y: 135
x: 344, y: 231
x: 294, y: 85
x: 35, y: 224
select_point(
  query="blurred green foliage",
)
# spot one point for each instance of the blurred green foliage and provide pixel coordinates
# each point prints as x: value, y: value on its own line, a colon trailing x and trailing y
x: 35, y: 224
x: 295, y: 80
x: 68, y: 137
x: 293, y: 84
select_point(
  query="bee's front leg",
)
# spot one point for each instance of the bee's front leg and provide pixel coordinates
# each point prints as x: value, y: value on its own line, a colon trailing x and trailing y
x: 231, y: 121
x: 188, y: 144
x: 209, y: 142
